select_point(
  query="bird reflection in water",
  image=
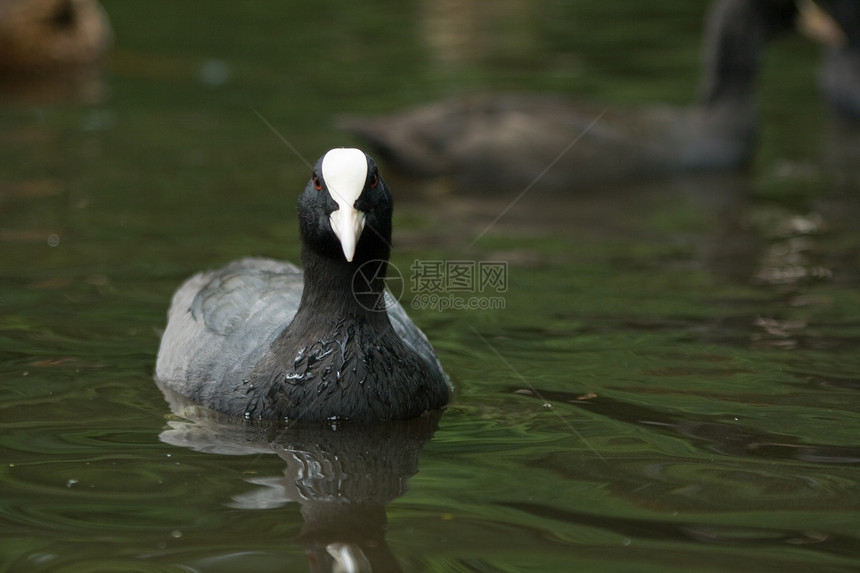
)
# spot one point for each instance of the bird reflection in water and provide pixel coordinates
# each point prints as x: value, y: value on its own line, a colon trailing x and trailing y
x: 342, y: 476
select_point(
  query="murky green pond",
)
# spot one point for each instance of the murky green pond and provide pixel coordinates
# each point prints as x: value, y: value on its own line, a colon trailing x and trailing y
x: 666, y: 380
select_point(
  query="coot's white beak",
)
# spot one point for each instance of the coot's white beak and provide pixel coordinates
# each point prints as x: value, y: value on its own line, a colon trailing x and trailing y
x: 345, y: 173
x: 347, y: 223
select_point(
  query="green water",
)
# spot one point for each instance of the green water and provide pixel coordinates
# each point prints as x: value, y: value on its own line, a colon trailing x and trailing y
x: 672, y: 382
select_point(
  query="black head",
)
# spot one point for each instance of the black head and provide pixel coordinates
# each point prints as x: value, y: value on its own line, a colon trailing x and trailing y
x: 345, y: 210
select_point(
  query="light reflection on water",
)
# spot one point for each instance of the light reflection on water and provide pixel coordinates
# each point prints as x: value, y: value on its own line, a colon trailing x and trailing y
x: 699, y: 335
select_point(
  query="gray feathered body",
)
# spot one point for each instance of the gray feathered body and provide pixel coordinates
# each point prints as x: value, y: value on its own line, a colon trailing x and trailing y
x: 225, y: 348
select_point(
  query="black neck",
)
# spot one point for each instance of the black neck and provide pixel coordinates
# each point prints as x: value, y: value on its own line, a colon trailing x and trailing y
x: 737, y: 31
x: 336, y: 290
x: 335, y: 287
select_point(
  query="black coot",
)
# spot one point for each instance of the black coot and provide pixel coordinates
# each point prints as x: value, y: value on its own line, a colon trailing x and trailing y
x: 259, y: 339
x: 510, y: 139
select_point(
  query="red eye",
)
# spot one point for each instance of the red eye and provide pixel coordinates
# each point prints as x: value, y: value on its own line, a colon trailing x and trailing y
x: 374, y: 180
x: 317, y: 183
